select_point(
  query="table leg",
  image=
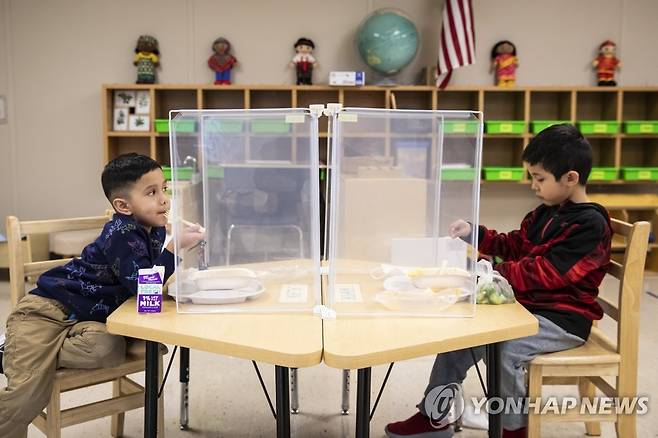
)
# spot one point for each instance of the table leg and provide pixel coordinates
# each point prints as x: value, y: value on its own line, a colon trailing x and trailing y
x: 184, y: 378
x: 151, y: 390
x: 345, y: 404
x: 363, y: 403
x: 282, y: 402
x: 493, y: 388
x: 294, y: 392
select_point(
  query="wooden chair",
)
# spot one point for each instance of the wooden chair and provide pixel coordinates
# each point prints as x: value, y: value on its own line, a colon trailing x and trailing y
x: 126, y: 393
x: 587, y: 365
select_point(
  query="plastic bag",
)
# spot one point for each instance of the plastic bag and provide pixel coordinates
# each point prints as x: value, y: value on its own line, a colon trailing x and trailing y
x: 492, y: 288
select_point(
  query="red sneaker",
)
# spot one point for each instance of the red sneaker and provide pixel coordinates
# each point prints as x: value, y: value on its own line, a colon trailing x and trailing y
x: 518, y: 433
x: 417, y: 426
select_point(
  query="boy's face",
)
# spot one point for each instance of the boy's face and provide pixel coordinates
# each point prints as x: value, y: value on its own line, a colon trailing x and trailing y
x: 550, y: 190
x: 147, y: 200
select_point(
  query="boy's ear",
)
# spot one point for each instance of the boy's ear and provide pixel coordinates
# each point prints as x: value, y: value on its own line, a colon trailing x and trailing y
x: 122, y: 206
x: 572, y: 177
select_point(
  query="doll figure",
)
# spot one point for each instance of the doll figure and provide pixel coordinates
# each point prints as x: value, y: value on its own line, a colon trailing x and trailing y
x: 304, y: 61
x: 146, y: 59
x: 606, y: 64
x: 504, y: 62
x: 222, y: 61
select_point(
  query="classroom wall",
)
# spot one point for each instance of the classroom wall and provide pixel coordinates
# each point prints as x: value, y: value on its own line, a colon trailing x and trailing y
x: 54, y: 56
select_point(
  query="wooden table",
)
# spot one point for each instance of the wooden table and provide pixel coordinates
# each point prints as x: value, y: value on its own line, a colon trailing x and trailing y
x: 285, y: 340
x: 363, y: 342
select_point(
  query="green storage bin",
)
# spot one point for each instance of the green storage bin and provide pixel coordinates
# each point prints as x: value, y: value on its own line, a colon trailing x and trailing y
x: 458, y: 174
x: 504, y: 127
x: 639, y: 173
x: 603, y: 174
x: 538, y: 126
x: 598, y: 127
x: 182, y: 174
x: 185, y: 173
x: 215, y: 172
x: 503, y: 173
x: 269, y: 126
x: 461, y: 127
x: 224, y: 126
x: 162, y: 125
x: 641, y: 127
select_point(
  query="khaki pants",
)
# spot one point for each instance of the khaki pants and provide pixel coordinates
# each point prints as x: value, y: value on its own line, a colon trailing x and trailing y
x: 40, y: 339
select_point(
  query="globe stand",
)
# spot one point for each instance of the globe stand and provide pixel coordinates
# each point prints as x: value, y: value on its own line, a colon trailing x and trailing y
x: 385, y: 81
x: 391, y: 80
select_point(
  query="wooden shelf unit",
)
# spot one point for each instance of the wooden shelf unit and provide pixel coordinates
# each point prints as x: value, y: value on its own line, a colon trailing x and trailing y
x: 523, y: 103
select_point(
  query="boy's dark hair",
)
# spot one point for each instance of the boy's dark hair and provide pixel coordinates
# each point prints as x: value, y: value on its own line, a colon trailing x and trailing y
x: 122, y: 172
x: 559, y: 149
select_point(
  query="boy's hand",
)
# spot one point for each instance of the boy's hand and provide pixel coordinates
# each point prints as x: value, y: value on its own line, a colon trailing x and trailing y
x: 189, y: 234
x: 460, y: 228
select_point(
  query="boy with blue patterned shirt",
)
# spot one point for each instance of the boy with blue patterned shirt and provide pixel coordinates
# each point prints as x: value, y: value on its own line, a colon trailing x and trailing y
x: 61, y: 323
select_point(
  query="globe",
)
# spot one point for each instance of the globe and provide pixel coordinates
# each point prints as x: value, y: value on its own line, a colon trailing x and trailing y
x: 387, y: 41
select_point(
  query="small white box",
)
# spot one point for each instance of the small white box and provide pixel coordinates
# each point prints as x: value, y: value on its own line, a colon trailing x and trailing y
x: 138, y: 122
x: 120, y: 121
x: 347, y: 78
x: 142, y: 102
x: 124, y: 98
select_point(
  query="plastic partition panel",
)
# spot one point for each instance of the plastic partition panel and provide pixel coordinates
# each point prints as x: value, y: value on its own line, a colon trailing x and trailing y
x: 254, y: 187
x: 400, y: 179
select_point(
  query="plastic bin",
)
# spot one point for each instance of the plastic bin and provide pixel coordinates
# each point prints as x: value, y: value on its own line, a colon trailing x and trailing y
x: 162, y: 125
x: 504, y: 126
x: 538, y: 126
x: 598, y: 127
x: 459, y: 127
x: 223, y: 126
x: 269, y: 126
x: 639, y: 173
x: 603, y: 174
x: 641, y: 127
x: 182, y: 173
x: 503, y: 173
x: 458, y: 174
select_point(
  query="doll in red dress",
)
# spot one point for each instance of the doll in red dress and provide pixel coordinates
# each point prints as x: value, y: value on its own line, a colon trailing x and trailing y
x: 606, y: 64
x: 504, y: 63
x: 222, y: 61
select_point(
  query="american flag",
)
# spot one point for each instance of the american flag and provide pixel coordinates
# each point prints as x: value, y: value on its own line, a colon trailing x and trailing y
x: 457, y: 43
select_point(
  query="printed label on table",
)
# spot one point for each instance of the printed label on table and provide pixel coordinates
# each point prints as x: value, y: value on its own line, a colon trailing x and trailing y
x: 348, y: 293
x: 294, y: 293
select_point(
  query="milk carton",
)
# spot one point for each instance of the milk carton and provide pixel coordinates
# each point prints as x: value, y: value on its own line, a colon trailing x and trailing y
x: 149, y: 290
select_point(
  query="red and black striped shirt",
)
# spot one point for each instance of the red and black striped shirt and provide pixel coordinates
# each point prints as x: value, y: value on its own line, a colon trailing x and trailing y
x: 556, y: 261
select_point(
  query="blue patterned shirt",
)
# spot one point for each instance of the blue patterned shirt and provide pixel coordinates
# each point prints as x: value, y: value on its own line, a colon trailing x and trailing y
x: 105, y: 275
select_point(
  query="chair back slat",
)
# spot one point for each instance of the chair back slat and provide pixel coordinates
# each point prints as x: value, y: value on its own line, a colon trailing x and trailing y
x: 38, y: 268
x: 57, y: 225
x: 20, y: 257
